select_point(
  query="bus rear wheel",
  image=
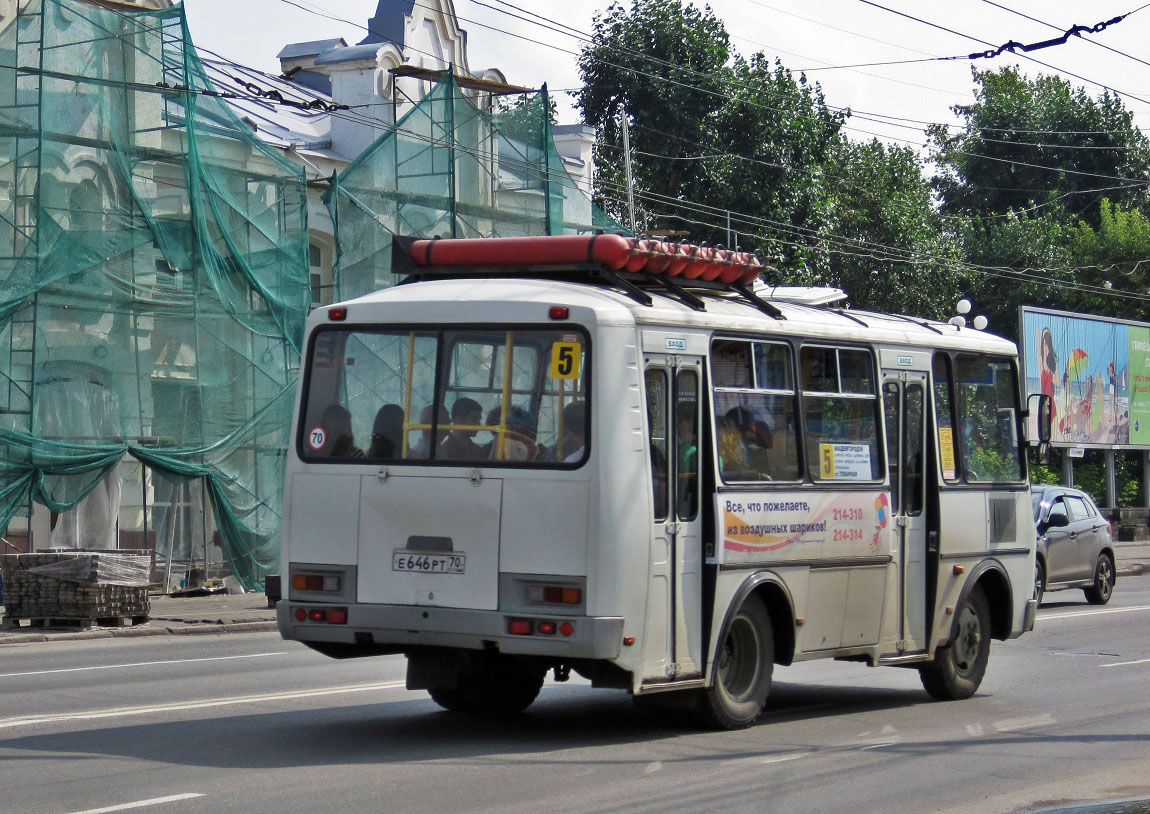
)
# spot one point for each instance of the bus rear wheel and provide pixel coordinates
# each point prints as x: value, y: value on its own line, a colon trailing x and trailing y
x: 503, y: 685
x: 451, y: 700
x: 957, y: 670
x: 742, y: 671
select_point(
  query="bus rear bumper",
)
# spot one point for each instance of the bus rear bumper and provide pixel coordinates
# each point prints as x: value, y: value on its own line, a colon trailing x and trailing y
x: 392, y: 628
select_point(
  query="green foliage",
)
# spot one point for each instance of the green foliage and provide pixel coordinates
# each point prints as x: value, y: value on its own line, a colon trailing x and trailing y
x: 879, y: 197
x: 1017, y: 128
x: 665, y: 62
x: 705, y: 127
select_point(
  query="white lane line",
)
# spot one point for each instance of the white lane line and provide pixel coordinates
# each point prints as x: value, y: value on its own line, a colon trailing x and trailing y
x: 1019, y: 724
x: 140, y: 664
x: 1124, y: 663
x: 139, y: 804
x: 761, y: 760
x: 10, y: 723
x: 1074, y: 614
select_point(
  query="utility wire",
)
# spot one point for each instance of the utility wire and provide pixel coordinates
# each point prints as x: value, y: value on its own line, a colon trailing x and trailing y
x: 1050, y: 25
x: 1024, y: 56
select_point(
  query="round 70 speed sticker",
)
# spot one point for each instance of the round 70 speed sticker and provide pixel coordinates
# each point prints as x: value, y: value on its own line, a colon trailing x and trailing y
x: 316, y: 438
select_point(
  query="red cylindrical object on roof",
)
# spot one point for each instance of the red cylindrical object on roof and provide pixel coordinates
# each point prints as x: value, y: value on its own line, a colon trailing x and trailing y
x: 641, y: 255
x: 698, y: 262
x: 752, y: 270
x: 663, y: 252
x: 678, y: 260
x: 613, y: 251
x: 715, y: 267
x: 734, y: 271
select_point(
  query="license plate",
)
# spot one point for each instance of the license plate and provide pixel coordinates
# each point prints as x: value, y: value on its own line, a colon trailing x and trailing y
x: 428, y: 563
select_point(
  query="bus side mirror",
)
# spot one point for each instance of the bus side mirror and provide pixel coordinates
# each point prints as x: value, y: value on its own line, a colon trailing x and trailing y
x: 1038, y: 414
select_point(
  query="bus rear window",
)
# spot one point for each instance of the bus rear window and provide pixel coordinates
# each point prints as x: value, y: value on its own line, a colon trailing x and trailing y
x: 467, y: 397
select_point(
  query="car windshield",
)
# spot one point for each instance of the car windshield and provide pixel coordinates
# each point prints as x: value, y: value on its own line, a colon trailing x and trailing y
x: 1035, y: 502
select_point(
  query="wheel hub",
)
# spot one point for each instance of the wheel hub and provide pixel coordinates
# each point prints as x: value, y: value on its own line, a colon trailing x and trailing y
x: 969, y: 638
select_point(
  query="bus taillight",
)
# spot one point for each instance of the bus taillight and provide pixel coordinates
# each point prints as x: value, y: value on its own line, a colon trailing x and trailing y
x: 315, y: 582
x: 519, y: 627
x: 554, y: 594
x: 331, y: 616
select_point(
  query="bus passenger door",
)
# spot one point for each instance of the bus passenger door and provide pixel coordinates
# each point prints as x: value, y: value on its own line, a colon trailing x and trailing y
x: 904, y: 405
x: 673, y: 642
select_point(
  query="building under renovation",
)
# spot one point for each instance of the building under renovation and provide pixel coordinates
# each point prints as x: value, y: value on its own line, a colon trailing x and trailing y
x: 166, y: 222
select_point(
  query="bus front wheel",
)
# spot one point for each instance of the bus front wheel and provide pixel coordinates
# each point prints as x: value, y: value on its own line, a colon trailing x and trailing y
x: 957, y: 670
x: 743, y: 670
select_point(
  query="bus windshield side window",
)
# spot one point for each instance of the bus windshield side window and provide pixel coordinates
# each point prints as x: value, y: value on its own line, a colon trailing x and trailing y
x: 988, y: 402
x: 464, y: 397
x: 754, y: 398
x: 840, y: 414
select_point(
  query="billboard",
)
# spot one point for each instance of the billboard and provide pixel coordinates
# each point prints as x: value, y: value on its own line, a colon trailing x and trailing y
x: 1097, y: 371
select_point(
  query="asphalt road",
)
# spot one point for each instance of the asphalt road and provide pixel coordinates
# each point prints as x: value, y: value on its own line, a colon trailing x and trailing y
x: 249, y: 723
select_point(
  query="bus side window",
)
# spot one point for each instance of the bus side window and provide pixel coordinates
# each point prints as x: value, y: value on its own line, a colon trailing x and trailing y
x: 944, y: 417
x: 658, y: 425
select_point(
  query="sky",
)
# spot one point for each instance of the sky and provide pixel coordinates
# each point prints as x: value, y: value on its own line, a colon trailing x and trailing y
x: 893, y: 102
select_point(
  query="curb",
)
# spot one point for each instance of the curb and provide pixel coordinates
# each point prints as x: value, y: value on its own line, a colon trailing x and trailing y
x: 136, y: 632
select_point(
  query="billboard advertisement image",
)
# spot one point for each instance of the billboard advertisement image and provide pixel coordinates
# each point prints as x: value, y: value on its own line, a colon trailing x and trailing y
x: 1096, y: 370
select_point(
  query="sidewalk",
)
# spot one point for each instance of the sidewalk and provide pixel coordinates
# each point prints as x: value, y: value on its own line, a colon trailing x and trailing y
x: 246, y: 613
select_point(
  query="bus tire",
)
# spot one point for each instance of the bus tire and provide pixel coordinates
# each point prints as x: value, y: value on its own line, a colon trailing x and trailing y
x: 957, y: 670
x: 1102, y: 589
x: 502, y: 686
x: 451, y: 700
x: 743, y: 669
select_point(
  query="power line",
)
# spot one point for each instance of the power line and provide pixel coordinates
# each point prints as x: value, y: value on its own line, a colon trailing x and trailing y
x: 1050, y: 25
x: 984, y: 42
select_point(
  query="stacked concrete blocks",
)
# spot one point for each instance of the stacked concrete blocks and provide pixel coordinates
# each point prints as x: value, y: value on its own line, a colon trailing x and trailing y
x: 76, y: 588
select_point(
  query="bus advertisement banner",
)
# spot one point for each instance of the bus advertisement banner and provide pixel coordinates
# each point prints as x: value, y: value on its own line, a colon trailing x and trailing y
x: 1096, y: 371
x: 801, y: 525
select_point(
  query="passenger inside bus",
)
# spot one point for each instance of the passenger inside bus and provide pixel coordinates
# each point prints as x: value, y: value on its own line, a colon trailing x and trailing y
x: 336, y: 421
x: 386, y: 432
x: 459, y: 445
x: 574, y: 426
x: 518, y: 443
x: 732, y: 451
x: 687, y: 460
x: 430, y: 412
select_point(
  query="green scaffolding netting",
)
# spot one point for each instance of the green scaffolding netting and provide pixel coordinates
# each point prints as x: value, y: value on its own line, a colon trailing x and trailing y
x: 451, y: 169
x: 154, y: 263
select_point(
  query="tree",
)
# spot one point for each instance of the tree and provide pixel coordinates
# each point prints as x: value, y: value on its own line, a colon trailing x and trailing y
x: 665, y: 63
x: 711, y: 134
x: 887, y: 247
x: 1026, y: 143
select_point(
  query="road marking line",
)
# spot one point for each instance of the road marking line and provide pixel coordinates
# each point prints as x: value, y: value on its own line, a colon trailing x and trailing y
x: 139, y: 804
x: 1094, y: 612
x: 761, y: 760
x: 1016, y: 724
x: 878, y: 745
x: 1124, y: 663
x: 9, y: 723
x: 140, y: 664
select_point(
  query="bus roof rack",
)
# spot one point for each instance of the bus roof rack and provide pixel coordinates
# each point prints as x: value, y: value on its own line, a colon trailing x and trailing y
x: 635, y: 266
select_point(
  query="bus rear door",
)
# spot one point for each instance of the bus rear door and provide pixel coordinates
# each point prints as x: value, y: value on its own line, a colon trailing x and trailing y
x: 673, y: 642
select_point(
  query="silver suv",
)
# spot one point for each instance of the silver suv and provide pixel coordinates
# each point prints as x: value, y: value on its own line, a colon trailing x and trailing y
x: 1074, y: 544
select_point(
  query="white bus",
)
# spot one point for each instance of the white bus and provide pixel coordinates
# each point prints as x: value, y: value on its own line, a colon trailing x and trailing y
x: 540, y: 455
